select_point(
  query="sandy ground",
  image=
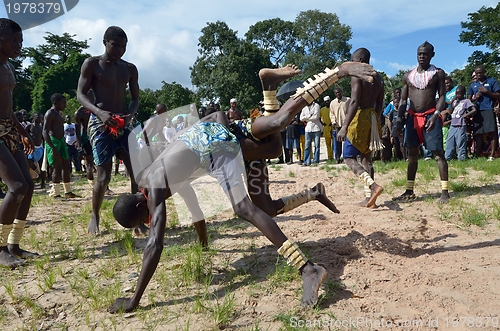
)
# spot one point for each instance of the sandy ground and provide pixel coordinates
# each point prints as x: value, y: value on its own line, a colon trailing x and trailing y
x: 401, y: 266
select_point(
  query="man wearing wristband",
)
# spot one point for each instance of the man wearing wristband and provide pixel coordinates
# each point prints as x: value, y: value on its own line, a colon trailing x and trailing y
x: 424, y: 123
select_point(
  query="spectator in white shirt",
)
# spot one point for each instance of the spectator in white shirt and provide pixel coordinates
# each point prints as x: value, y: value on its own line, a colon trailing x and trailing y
x: 310, y: 114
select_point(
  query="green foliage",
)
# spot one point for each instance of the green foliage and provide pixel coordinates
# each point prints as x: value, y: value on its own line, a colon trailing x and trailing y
x: 227, y: 68
x: 56, y: 68
x: 482, y: 28
x: 275, y: 36
x: 474, y: 216
x: 390, y: 83
x: 59, y: 78
x: 323, y: 41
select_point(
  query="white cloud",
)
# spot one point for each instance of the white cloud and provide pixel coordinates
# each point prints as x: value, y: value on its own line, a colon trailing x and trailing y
x: 163, y: 35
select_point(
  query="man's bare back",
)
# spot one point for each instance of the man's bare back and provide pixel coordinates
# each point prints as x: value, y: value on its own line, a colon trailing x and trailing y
x: 369, y: 91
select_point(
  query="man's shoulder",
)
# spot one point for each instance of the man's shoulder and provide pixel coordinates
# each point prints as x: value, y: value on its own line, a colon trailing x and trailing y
x: 129, y: 65
x: 92, y: 60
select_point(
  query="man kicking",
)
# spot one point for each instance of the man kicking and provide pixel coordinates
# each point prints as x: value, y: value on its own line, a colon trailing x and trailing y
x: 209, y: 146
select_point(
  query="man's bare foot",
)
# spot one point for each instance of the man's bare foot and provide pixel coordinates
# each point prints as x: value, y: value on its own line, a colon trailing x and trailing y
x: 93, y: 226
x: 15, y: 250
x: 8, y: 260
x: 122, y: 305
x: 445, y: 196
x: 376, y: 191
x: 271, y: 78
x: 312, y: 278
x: 323, y: 199
x: 406, y: 196
x: 357, y: 69
x: 363, y: 203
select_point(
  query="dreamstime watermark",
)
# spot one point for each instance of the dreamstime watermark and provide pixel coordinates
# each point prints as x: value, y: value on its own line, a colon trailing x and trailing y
x: 31, y: 13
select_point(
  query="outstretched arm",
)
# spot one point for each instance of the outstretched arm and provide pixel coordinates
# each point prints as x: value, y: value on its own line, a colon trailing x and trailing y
x: 152, y: 252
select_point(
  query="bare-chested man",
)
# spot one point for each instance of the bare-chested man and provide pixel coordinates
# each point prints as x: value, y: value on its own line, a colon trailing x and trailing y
x: 108, y: 76
x: 55, y: 147
x: 14, y: 169
x: 233, y: 113
x: 360, y: 129
x: 424, y: 122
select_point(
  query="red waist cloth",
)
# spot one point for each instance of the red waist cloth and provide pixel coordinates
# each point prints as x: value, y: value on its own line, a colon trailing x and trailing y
x: 419, y: 120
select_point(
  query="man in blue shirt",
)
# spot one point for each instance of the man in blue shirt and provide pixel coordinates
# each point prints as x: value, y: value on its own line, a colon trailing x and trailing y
x: 484, y: 91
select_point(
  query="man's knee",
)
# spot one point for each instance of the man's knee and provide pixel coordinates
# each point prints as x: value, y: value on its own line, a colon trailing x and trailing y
x: 103, y: 178
x: 243, y: 209
x: 19, y: 189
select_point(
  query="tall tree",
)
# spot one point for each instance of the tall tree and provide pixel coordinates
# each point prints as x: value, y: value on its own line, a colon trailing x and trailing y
x: 323, y: 41
x: 61, y: 77
x: 227, y: 67
x: 276, y: 36
x: 55, y: 68
x: 481, y: 29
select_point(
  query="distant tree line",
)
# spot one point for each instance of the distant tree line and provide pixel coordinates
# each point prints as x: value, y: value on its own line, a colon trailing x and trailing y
x: 227, y: 66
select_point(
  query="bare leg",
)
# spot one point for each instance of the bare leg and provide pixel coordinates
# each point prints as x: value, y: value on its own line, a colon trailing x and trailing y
x: 443, y: 174
x: 17, y: 188
x: 189, y: 196
x: 258, y: 190
x: 125, y: 157
x: 89, y: 168
x: 23, y: 210
x: 102, y: 181
x: 312, y: 274
x: 358, y: 170
x: 411, y: 173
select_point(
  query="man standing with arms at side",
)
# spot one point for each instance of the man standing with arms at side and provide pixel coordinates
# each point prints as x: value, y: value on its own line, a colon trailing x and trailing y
x: 108, y: 76
x: 484, y: 91
x: 310, y: 115
x: 338, y: 110
x: 56, y: 148
x: 424, y: 122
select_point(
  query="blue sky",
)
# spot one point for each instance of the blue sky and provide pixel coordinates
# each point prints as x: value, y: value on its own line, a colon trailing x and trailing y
x: 163, y: 35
